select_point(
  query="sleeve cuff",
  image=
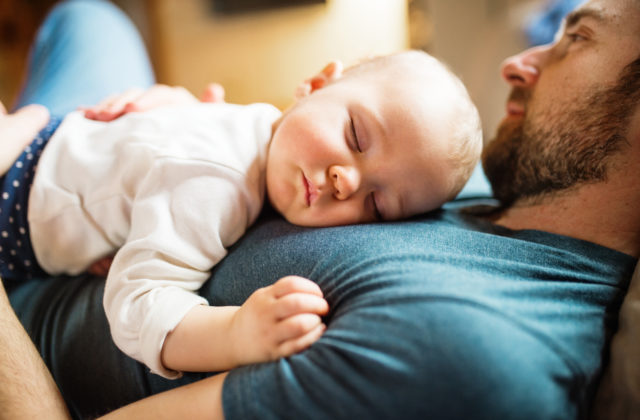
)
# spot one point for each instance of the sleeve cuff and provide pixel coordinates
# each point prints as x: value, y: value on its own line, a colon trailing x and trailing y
x: 170, y: 307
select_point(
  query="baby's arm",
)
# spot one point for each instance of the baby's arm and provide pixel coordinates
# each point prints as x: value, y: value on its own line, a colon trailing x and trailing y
x: 276, y: 321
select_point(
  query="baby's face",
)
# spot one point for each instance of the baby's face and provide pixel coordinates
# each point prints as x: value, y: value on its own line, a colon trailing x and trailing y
x: 362, y: 149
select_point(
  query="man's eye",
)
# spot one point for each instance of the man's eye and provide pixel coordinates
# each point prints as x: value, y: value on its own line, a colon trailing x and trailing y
x: 576, y: 37
x: 354, y: 136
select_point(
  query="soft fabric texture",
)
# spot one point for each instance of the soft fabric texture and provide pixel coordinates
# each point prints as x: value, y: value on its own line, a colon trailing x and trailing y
x: 17, y: 260
x: 444, y: 316
x: 169, y: 190
x: 619, y: 393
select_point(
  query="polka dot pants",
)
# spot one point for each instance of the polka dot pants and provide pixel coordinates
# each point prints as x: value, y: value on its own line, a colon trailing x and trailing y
x: 17, y: 260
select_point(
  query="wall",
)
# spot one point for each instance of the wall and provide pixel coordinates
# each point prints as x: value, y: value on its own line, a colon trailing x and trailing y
x: 473, y: 37
x: 263, y: 56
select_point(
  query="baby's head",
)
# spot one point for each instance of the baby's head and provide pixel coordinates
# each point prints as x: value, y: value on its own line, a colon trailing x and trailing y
x: 387, y: 139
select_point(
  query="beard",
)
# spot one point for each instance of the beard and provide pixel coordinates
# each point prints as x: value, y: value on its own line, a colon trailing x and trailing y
x: 534, y: 158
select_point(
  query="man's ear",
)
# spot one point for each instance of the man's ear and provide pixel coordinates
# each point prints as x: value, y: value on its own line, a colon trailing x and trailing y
x: 331, y: 72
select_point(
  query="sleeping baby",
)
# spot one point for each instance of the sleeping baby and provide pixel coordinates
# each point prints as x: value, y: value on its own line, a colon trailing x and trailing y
x: 170, y: 189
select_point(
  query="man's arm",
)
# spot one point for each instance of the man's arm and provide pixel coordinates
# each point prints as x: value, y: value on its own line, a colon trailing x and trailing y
x: 27, y: 390
x: 199, y: 400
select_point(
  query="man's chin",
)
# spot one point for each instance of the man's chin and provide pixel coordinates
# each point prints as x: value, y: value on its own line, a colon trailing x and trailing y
x: 500, y: 156
x: 502, y: 145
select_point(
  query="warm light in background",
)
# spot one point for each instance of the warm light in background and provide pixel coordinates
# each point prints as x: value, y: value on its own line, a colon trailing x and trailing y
x: 262, y: 56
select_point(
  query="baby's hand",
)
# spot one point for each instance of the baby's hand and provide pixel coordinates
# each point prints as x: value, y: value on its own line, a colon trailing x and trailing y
x: 278, y: 320
x: 157, y: 96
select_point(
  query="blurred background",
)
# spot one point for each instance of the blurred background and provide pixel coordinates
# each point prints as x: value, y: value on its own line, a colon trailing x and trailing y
x: 259, y: 50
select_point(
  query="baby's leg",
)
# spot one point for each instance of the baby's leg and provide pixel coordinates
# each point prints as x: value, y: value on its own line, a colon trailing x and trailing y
x: 84, y: 51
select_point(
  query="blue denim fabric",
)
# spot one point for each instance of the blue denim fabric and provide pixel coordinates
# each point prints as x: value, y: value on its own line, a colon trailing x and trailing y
x: 84, y: 51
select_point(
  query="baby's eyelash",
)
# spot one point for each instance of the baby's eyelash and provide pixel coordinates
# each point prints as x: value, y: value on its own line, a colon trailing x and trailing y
x: 356, y: 143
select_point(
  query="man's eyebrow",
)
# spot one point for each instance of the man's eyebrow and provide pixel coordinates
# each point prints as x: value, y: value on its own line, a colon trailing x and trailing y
x: 574, y: 17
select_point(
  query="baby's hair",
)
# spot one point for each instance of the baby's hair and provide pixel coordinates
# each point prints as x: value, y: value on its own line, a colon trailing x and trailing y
x: 466, y: 136
x: 466, y: 128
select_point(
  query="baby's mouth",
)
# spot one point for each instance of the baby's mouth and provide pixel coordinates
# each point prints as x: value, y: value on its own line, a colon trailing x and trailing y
x: 311, y: 193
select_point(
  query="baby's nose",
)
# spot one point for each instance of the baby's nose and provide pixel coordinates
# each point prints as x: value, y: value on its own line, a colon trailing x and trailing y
x: 345, y: 179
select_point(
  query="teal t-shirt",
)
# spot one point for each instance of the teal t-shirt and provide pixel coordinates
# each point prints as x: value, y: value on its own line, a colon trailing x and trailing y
x: 444, y: 317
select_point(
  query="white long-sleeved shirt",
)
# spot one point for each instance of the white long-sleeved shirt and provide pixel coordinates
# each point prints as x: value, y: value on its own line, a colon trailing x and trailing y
x: 169, y: 189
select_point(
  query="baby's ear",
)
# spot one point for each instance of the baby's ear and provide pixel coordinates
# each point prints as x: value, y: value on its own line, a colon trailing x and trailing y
x: 331, y: 72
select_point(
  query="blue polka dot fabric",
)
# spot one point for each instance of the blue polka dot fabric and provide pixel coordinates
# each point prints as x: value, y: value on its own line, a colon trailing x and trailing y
x: 17, y: 260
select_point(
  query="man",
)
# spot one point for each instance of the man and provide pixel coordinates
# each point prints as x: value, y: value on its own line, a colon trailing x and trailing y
x: 449, y: 340
x: 572, y: 131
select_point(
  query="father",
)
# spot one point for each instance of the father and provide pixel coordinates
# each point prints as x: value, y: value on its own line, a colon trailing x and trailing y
x: 477, y: 313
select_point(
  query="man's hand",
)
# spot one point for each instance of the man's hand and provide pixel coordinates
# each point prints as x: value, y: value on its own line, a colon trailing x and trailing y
x: 101, y: 267
x: 138, y: 100
x: 278, y: 320
x: 17, y: 130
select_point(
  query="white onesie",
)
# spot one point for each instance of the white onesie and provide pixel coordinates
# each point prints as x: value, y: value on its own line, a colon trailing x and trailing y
x: 169, y: 190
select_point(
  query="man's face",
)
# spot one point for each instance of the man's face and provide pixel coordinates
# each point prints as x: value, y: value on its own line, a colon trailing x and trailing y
x: 362, y: 149
x: 570, y: 108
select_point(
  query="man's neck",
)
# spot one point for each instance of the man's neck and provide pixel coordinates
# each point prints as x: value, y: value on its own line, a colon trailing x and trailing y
x: 606, y: 213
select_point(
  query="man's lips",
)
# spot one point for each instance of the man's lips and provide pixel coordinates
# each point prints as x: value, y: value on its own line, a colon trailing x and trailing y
x: 515, y: 108
x: 517, y: 100
x: 310, y: 191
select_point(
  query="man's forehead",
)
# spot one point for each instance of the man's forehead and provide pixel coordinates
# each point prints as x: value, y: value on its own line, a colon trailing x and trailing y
x: 604, y: 12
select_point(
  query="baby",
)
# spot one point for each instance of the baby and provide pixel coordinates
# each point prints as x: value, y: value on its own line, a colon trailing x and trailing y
x: 169, y: 190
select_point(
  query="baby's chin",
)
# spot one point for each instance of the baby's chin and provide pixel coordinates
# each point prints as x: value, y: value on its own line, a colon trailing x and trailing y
x: 304, y: 221
x: 299, y: 221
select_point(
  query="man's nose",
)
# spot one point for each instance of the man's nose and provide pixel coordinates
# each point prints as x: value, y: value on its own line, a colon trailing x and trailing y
x: 523, y: 70
x: 345, y: 179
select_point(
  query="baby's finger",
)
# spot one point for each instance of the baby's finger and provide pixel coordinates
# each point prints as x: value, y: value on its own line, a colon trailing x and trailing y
x: 116, y: 107
x: 161, y: 95
x: 296, y: 345
x: 295, y: 284
x: 299, y: 303
x: 295, y: 326
x: 213, y: 93
x: 91, y: 112
x: 113, y: 106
